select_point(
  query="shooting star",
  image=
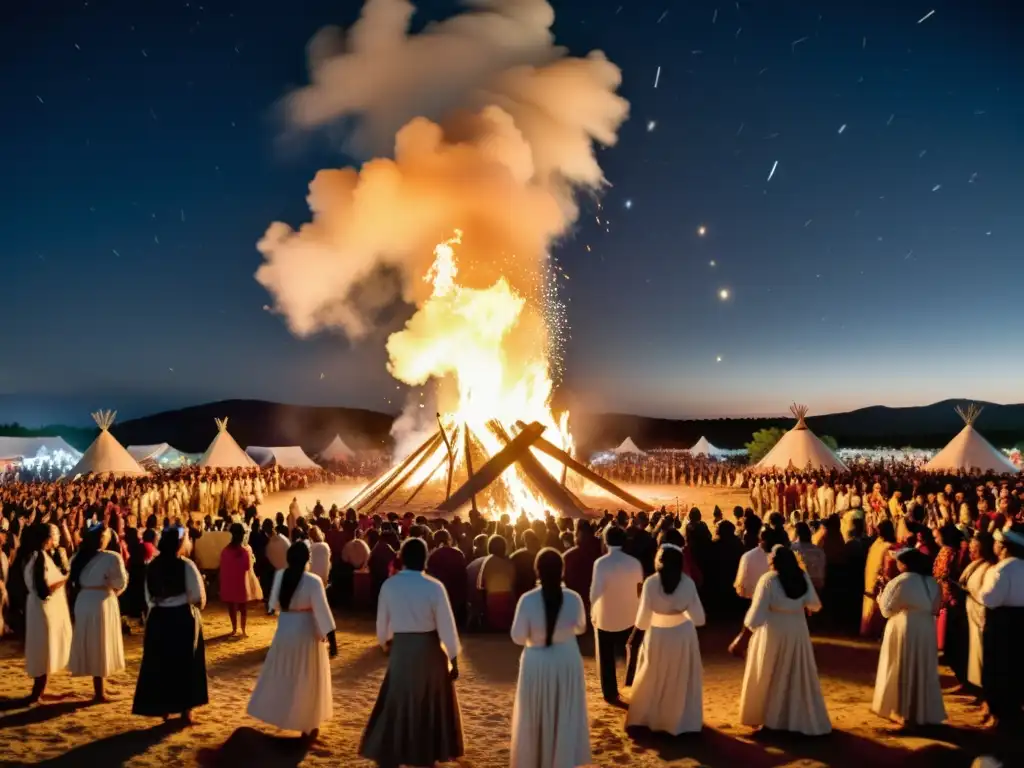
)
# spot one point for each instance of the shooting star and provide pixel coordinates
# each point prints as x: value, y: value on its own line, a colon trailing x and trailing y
x: 772, y: 173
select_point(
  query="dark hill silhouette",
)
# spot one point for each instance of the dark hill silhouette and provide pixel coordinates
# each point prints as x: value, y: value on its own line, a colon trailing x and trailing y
x: 928, y: 426
x: 255, y: 422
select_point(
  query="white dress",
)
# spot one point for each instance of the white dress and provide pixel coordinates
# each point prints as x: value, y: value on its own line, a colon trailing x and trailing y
x: 907, y: 683
x: 294, y: 688
x: 97, y: 649
x: 550, y: 728
x: 47, y: 623
x: 781, y: 689
x: 668, y: 694
x: 975, y: 578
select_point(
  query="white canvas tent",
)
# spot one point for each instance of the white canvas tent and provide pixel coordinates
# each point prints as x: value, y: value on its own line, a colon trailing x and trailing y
x: 337, y: 451
x: 969, y: 450
x: 224, y: 452
x: 703, y: 448
x: 284, y: 456
x: 19, y: 448
x: 800, y: 448
x: 628, y: 447
x: 106, y: 455
x: 163, y: 454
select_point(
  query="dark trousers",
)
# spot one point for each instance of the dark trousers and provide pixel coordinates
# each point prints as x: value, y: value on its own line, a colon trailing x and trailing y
x: 610, y: 645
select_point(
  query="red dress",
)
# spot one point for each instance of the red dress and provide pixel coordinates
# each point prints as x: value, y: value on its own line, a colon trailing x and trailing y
x: 235, y: 563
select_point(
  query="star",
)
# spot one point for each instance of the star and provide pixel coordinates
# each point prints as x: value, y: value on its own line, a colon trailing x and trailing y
x: 629, y: 204
x: 712, y: 263
x: 651, y: 125
x: 702, y: 230
x: 718, y: 359
x: 723, y: 294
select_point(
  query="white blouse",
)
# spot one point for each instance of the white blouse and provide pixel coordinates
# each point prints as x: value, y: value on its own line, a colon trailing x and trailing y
x: 309, y: 596
x: 413, y: 602
x: 530, y: 626
x: 194, y: 594
x: 660, y: 609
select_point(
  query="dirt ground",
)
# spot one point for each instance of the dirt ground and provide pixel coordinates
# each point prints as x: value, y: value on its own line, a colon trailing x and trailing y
x: 72, y: 732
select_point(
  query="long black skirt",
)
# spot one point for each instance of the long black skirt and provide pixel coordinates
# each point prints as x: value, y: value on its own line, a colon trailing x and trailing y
x: 1002, y: 677
x: 172, y: 678
x: 416, y: 720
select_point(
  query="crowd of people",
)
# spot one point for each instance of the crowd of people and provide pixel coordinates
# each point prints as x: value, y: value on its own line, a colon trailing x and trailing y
x: 673, y: 468
x: 931, y: 565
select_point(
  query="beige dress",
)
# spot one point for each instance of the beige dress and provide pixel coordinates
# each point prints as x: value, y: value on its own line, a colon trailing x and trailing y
x: 973, y: 578
x: 781, y: 689
x: 97, y: 649
x: 47, y: 623
x: 907, y: 683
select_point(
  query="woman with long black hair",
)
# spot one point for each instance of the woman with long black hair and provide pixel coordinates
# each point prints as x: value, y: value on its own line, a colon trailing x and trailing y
x: 98, y: 577
x: 294, y: 688
x: 781, y: 689
x: 47, y: 619
x: 550, y: 728
x: 669, y: 689
x: 172, y: 677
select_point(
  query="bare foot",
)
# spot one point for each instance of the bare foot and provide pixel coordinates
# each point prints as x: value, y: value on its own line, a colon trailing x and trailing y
x: 313, y: 735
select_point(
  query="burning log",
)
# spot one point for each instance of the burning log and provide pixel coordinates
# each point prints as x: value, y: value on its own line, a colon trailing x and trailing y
x: 550, y: 488
x: 389, y: 481
x: 492, y: 470
x: 584, y: 471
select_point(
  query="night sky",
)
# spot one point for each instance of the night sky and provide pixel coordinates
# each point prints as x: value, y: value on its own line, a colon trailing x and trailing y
x: 880, y: 263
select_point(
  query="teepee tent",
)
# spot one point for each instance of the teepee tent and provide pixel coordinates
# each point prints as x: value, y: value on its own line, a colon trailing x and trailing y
x: 337, y: 451
x: 703, y: 448
x: 224, y: 452
x: 284, y: 456
x: 969, y: 450
x: 800, y: 448
x: 160, y: 454
x: 628, y: 447
x: 106, y: 455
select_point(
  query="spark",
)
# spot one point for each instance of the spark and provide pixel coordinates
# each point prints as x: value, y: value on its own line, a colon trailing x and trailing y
x: 909, y: 254
x: 114, y: 251
x: 936, y: 188
x: 182, y: 214
x: 702, y: 230
x: 629, y: 204
x: 738, y: 31
x: 618, y: 10
x: 973, y: 177
x: 712, y: 263
x: 78, y: 47
x: 657, y: 77
x: 795, y: 43
x: 891, y: 118
x: 714, y: 17
x: 864, y: 44
x: 40, y: 98
x: 808, y: 223
x: 662, y: 17
x: 762, y: 71
x: 144, y: 54
x: 723, y: 294
x: 156, y: 239
x: 926, y: 16
x: 772, y: 173
x: 651, y: 125
x: 922, y: 153
x: 842, y: 127
x: 696, y: 52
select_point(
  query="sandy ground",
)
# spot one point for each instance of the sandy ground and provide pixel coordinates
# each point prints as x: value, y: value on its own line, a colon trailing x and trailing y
x: 71, y: 732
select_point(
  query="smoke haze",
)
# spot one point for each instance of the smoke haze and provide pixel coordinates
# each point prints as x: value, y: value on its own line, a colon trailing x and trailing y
x: 479, y: 123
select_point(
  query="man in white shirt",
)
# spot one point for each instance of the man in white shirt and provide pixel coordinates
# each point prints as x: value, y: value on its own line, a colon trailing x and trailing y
x: 614, y: 600
x: 754, y: 565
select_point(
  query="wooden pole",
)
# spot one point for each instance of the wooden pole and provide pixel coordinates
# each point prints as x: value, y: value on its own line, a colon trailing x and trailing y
x: 370, y: 492
x: 434, y: 442
x: 426, y: 479
x: 469, y: 462
x: 451, y: 457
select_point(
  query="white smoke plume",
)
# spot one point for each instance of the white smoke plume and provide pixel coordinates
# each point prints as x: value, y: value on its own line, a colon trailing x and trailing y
x: 493, y: 128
